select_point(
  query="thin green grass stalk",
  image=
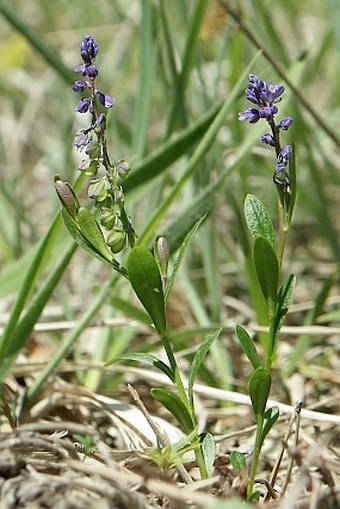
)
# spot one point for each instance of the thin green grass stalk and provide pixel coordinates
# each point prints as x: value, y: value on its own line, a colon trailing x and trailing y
x: 34, y: 39
x: 196, y: 158
x: 179, y: 102
x: 189, y: 55
x: 265, y: 21
x: 170, y: 151
x: 143, y: 102
x: 70, y: 340
x: 35, y: 268
x: 24, y: 327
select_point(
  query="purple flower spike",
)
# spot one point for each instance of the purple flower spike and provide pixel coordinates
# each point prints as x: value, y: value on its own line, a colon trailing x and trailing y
x: 105, y: 100
x: 285, y: 123
x: 251, y: 114
x: 83, y: 105
x: 88, y: 49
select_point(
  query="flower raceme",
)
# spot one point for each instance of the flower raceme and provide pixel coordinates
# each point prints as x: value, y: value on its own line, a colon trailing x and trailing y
x: 265, y: 97
x: 88, y: 51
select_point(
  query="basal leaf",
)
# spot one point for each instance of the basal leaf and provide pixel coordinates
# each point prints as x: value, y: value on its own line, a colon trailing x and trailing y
x: 176, y: 407
x: 238, y: 461
x: 208, y: 446
x: 146, y: 281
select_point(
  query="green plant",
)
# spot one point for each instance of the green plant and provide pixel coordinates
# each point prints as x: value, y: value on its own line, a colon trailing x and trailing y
x: 267, y: 256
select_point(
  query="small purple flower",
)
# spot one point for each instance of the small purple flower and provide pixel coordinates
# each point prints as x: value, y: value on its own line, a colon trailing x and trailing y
x: 88, y: 49
x: 105, y: 100
x: 268, y: 139
x: 79, y: 86
x: 101, y: 122
x: 272, y: 93
x: 87, y: 70
x: 280, y: 176
x: 285, y: 123
x: 83, y: 105
x: 251, y: 114
x: 285, y: 154
x: 268, y: 112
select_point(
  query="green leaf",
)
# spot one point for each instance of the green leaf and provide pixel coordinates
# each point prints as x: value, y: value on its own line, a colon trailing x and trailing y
x: 284, y: 299
x: 208, y: 447
x: 259, y: 388
x: 292, y: 184
x: 267, y: 270
x: 258, y: 220
x: 197, y: 361
x: 238, y: 461
x: 79, y: 238
x: 269, y: 419
x: 158, y: 161
x: 184, y: 246
x: 176, y: 407
x: 248, y: 346
x: 143, y: 357
x: 147, y: 283
x: 90, y: 229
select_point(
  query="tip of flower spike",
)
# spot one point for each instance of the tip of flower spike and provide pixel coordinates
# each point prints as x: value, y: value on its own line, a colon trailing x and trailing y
x: 88, y: 49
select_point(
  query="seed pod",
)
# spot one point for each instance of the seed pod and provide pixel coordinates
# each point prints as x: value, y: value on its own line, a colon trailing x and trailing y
x: 116, y: 240
x: 67, y: 196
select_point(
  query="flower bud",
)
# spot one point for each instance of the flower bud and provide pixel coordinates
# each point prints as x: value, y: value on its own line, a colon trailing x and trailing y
x: 93, y: 149
x: 162, y: 255
x: 116, y: 240
x: 123, y: 168
x: 67, y: 196
x: 107, y: 218
x: 89, y: 167
x: 98, y: 189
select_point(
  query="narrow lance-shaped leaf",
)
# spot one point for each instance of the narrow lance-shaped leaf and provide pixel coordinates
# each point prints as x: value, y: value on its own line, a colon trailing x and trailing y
x: 269, y: 419
x: 176, y: 407
x: 198, y: 359
x: 267, y: 270
x: 284, y: 299
x: 258, y: 220
x: 248, y: 346
x: 184, y: 246
x: 89, y: 227
x: 143, y: 357
x: 147, y: 283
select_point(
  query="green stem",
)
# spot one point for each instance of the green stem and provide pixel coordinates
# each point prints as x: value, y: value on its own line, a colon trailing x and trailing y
x: 177, y: 379
x: 256, y: 455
